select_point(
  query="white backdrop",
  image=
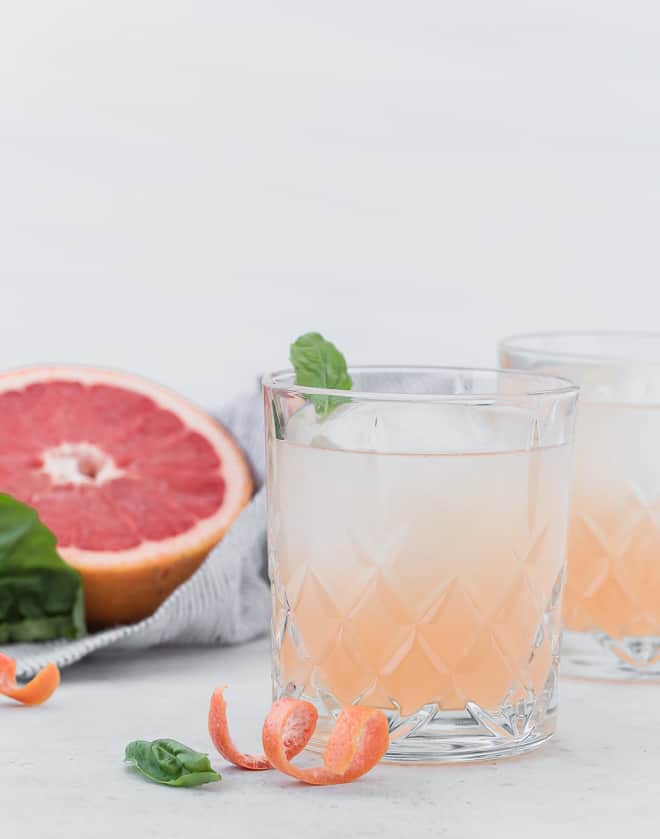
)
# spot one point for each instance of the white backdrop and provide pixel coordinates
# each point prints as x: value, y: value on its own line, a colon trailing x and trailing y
x: 186, y: 186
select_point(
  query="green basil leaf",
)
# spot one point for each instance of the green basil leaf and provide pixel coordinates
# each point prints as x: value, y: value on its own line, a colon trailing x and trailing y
x: 41, y: 596
x: 318, y: 363
x: 169, y: 762
x: 277, y: 422
x: 31, y: 629
x: 6, y: 602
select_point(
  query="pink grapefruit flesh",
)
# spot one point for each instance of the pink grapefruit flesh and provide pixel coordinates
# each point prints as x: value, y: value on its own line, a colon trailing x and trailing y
x: 136, y: 483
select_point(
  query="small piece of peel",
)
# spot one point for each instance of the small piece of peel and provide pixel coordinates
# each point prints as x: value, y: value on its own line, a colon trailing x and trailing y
x: 36, y: 691
x: 357, y: 743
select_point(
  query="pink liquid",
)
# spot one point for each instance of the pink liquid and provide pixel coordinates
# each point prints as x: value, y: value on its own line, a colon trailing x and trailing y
x: 404, y: 580
x: 614, y: 538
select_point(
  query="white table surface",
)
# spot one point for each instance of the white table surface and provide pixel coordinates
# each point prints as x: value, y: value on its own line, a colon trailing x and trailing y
x: 61, y: 772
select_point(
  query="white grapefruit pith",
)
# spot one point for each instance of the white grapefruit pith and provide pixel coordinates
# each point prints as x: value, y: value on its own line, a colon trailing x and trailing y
x: 136, y: 483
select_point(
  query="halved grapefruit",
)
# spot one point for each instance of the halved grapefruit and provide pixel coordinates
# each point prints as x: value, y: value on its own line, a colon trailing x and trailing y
x: 136, y: 483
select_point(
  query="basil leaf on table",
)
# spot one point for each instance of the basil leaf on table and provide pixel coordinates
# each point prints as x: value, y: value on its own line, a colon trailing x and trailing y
x: 170, y: 762
x: 41, y: 596
x: 318, y: 363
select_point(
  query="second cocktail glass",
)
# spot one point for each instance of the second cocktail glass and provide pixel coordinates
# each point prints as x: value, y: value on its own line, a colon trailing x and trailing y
x: 417, y: 547
x: 612, y: 601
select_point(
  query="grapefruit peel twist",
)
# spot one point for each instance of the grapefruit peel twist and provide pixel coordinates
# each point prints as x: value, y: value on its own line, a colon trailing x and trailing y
x: 356, y: 744
x: 36, y: 691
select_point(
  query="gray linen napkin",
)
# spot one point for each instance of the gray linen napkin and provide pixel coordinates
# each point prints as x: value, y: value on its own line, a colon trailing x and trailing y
x: 225, y: 601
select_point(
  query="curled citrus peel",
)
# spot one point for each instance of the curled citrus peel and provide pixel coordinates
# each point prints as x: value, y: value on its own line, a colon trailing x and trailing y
x: 357, y: 743
x: 36, y: 691
x: 297, y: 735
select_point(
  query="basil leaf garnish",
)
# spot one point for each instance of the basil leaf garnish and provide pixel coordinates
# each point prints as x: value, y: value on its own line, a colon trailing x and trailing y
x: 169, y: 762
x: 41, y: 596
x: 318, y: 363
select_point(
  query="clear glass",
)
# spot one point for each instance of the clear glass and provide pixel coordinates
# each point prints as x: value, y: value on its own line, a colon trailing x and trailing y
x: 612, y: 600
x: 416, y: 549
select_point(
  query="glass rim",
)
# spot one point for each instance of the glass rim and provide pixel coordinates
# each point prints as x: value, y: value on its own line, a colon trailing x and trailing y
x: 528, y: 343
x: 555, y: 386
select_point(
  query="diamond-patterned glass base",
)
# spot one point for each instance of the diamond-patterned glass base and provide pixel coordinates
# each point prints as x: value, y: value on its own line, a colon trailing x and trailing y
x: 522, y: 717
x: 594, y: 655
x: 433, y: 736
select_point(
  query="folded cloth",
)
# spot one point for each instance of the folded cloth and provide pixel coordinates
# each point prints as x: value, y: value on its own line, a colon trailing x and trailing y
x: 225, y: 601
